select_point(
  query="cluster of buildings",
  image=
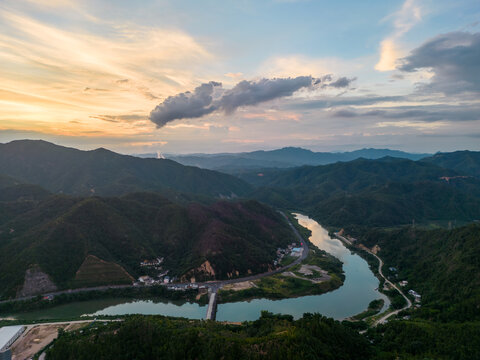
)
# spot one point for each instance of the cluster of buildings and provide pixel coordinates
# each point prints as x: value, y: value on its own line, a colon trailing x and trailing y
x: 148, y: 280
x: 184, y: 287
x: 155, y: 263
x: 161, y: 278
x: 8, y: 335
x: 291, y: 249
x: 416, y: 295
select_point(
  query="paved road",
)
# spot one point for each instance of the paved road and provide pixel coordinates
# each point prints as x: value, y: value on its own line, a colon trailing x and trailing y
x: 383, y: 319
x: 220, y: 283
x: 214, y: 285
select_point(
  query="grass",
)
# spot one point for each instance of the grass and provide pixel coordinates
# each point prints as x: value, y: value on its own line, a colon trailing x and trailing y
x: 95, y: 272
x: 373, y: 308
x: 281, y: 286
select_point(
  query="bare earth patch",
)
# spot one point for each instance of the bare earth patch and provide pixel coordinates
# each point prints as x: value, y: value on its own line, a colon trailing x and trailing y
x: 36, y: 338
x: 240, y: 286
x: 323, y: 277
x: 36, y: 282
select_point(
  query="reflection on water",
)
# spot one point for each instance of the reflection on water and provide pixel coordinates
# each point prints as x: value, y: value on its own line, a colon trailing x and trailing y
x: 350, y: 299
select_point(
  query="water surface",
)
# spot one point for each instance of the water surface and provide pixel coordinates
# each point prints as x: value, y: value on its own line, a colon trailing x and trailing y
x: 353, y: 297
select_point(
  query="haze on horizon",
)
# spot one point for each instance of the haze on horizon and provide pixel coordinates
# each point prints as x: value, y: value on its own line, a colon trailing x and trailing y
x: 215, y: 76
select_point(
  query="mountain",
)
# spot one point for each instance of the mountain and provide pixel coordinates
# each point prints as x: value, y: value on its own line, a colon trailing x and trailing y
x: 442, y: 265
x: 281, y: 158
x: 102, y: 172
x: 383, y: 192
x: 66, y: 242
x: 466, y: 162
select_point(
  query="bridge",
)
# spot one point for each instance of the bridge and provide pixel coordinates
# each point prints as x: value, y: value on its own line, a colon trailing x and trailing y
x: 212, y: 304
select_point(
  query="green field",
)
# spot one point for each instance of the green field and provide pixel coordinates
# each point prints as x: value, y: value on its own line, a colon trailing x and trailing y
x: 95, y: 272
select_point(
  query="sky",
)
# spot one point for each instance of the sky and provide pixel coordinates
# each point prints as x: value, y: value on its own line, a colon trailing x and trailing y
x: 190, y: 76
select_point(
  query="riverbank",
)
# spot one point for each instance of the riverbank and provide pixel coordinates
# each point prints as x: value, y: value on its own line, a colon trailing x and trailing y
x: 317, y: 274
x: 358, y: 290
x: 399, y: 301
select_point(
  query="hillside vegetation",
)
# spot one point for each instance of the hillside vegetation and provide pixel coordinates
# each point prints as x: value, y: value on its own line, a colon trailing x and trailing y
x: 270, y: 337
x: 102, y: 172
x: 466, y: 162
x: 59, y: 233
x: 442, y: 265
x: 382, y: 192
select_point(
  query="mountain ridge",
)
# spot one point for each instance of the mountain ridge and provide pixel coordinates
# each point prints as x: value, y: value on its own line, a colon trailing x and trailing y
x: 61, y: 169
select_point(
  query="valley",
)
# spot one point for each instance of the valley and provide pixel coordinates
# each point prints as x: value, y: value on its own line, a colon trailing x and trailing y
x: 165, y: 252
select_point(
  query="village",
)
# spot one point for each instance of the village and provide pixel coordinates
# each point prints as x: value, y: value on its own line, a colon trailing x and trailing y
x: 162, y: 278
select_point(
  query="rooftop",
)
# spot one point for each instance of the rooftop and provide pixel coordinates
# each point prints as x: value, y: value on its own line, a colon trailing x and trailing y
x: 7, y: 332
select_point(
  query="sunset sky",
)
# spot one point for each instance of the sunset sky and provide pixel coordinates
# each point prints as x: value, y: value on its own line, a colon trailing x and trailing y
x: 227, y: 76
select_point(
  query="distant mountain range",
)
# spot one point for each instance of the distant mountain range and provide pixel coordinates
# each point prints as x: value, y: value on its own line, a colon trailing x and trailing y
x: 281, y: 158
x: 102, y: 172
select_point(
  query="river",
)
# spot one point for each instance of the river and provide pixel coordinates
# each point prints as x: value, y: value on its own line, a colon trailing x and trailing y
x: 350, y: 299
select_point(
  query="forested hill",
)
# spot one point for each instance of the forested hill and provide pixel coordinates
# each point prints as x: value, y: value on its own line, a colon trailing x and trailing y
x: 102, y: 172
x: 466, y: 162
x: 442, y: 265
x: 74, y: 240
x: 381, y: 192
x: 270, y: 337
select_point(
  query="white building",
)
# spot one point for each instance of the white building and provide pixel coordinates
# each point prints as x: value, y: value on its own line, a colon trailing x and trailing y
x: 8, y: 335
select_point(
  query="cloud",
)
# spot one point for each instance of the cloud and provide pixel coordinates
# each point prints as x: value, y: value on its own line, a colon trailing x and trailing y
x: 423, y: 113
x: 404, y: 19
x: 342, y: 82
x: 52, y: 73
x: 327, y: 102
x: 185, y: 105
x: 128, y: 118
x: 454, y: 58
x: 344, y: 113
x: 254, y: 92
x: 201, y: 101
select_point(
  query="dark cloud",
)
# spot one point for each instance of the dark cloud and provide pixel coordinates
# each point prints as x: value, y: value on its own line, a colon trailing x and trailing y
x: 342, y: 82
x: 185, y: 105
x: 453, y: 57
x: 201, y: 101
x: 327, y: 102
x: 345, y: 113
x: 424, y: 113
x: 254, y: 92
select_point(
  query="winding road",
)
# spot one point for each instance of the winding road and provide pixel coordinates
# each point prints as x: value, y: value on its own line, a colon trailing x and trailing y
x: 384, y: 318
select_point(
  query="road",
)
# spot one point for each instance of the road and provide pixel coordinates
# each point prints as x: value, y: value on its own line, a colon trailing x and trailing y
x: 302, y: 257
x: 384, y: 318
x: 213, y: 285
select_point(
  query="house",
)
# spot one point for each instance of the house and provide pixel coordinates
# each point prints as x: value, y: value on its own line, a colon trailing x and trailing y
x: 403, y: 283
x: 416, y: 295
x: 166, y: 279
x: 144, y: 279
